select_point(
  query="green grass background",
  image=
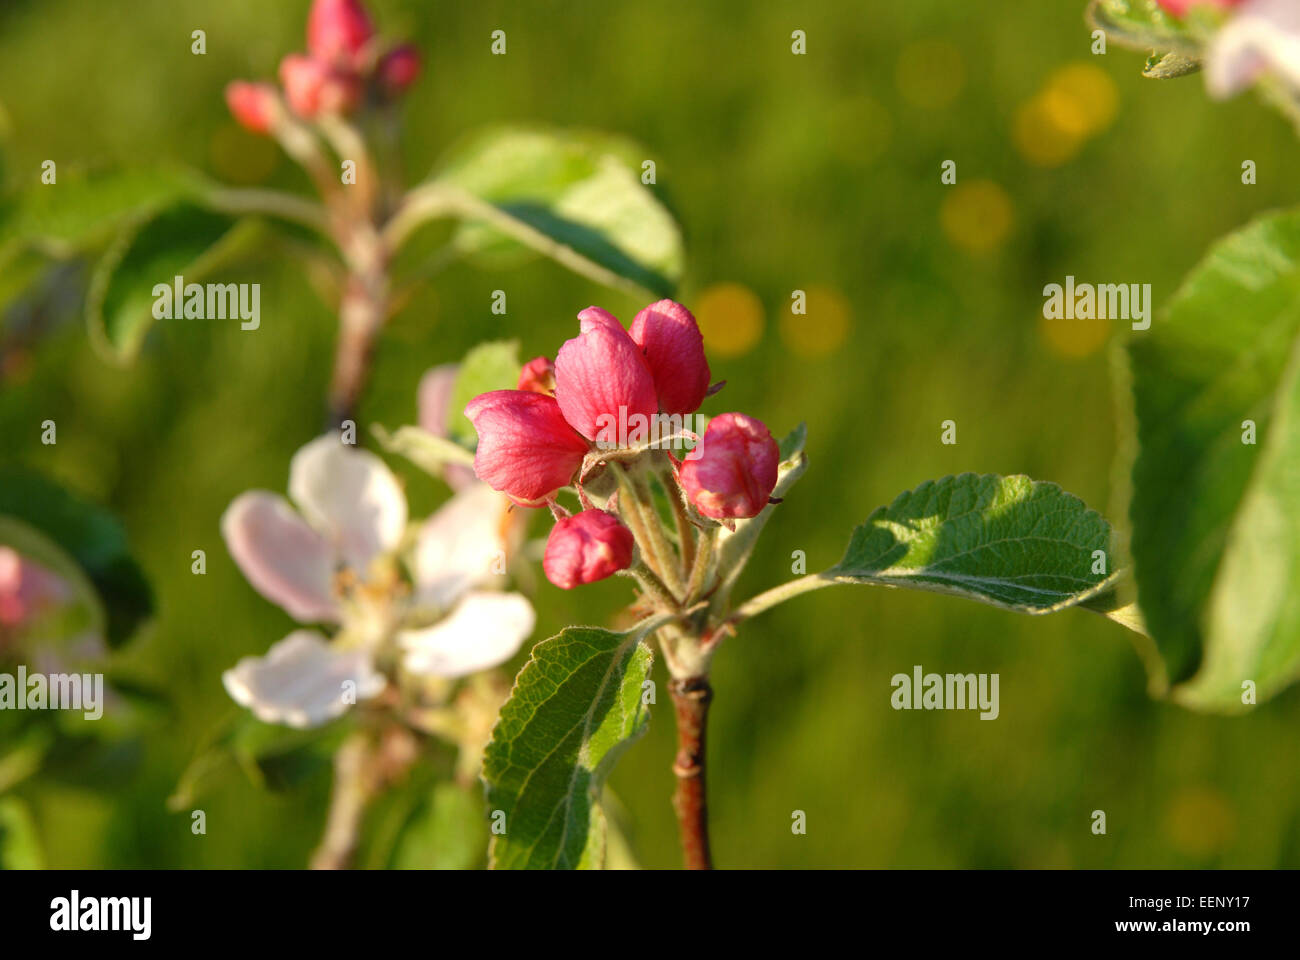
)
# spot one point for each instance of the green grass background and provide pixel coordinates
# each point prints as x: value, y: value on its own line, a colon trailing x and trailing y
x: 786, y: 172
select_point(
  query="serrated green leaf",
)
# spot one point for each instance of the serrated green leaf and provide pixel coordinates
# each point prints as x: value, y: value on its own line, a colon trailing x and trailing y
x: 582, y: 191
x: 1216, y: 521
x: 1012, y: 542
x: 576, y: 706
x: 488, y: 366
x: 92, y: 536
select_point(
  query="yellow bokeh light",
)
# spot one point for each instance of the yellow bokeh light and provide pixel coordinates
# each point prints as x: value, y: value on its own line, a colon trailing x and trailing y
x: 976, y: 215
x: 1082, y: 97
x: 730, y: 317
x: 1039, y: 135
x: 824, y: 326
x: 1074, y: 338
x: 930, y: 73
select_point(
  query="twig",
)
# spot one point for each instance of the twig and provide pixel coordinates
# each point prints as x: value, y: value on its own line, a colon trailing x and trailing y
x: 691, y: 698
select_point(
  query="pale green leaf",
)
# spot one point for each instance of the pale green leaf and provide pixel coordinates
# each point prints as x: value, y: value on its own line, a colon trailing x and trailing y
x: 1142, y: 25
x: 1216, y: 521
x: 488, y: 366
x: 575, y: 196
x: 431, y: 454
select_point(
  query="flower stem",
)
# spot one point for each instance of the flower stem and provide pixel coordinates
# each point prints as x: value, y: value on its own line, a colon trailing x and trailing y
x: 770, y: 598
x: 352, y: 792
x: 691, y: 698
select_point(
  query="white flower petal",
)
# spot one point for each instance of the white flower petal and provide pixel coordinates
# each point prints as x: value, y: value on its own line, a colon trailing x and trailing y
x: 284, y: 559
x: 350, y: 496
x: 461, y: 546
x: 301, y: 681
x: 484, y: 630
x: 1262, y: 34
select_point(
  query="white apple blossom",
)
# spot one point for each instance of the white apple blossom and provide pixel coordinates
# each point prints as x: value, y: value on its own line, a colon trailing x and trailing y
x: 333, y: 560
x: 1263, y: 36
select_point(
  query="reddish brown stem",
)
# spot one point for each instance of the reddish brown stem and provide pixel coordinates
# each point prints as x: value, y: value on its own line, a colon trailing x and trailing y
x: 361, y: 316
x: 691, y: 698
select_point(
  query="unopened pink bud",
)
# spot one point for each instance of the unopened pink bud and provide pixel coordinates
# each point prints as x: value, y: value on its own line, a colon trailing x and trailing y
x: 526, y: 449
x: 398, y: 69
x: 538, y: 376
x: 337, y: 32
x: 312, y: 88
x: 673, y: 348
x: 1179, y: 8
x: 735, y: 472
x: 586, y: 547
x: 251, y: 104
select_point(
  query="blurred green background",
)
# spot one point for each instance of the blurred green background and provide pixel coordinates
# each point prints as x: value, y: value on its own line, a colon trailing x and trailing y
x: 818, y: 172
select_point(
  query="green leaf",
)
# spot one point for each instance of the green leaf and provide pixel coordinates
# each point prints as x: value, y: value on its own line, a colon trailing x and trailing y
x: 488, y: 366
x: 20, y: 845
x: 735, y: 546
x: 80, y: 209
x: 1216, y: 521
x: 1170, y: 65
x: 575, y: 196
x: 431, y: 454
x: 446, y: 832
x: 1143, y: 25
x: 576, y: 706
x: 1012, y: 542
x: 184, y: 241
x: 93, y: 537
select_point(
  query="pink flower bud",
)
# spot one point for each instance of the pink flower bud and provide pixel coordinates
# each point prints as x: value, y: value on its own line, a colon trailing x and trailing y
x: 337, y: 32
x: 313, y: 88
x: 735, y: 472
x: 398, y: 69
x: 586, y: 547
x: 1179, y: 8
x: 526, y: 449
x: 601, y: 378
x: 538, y: 376
x: 251, y: 104
x: 673, y: 347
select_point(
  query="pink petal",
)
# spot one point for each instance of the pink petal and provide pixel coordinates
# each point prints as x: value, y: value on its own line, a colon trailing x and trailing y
x: 673, y: 347
x: 525, y: 446
x: 601, y: 379
x: 284, y: 559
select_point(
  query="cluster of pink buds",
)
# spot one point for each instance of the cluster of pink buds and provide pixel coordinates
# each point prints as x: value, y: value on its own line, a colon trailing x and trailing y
x: 602, y: 420
x: 344, y: 62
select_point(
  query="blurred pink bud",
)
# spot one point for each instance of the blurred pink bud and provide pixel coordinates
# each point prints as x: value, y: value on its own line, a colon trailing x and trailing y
x: 538, y: 376
x: 398, y: 69
x: 312, y: 88
x: 26, y: 588
x: 251, y: 104
x: 433, y: 407
x: 601, y: 378
x: 337, y: 32
x: 586, y: 547
x: 526, y: 449
x: 736, y: 470
x: 673, y: 347
x: 1179, y: 8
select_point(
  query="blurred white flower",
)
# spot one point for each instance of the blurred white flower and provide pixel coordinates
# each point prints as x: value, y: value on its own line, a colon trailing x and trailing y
x: 333, y: 560
x: 1262, y: 36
